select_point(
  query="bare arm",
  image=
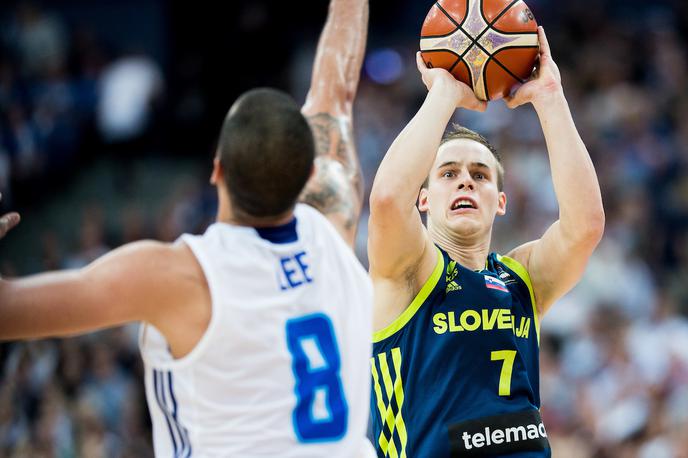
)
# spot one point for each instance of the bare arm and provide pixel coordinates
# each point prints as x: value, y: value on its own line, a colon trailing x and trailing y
x: 143, y: 281
x: 556, y: 261
x: 397, y: 237
x: 336, y: 188
x: 401, y: 254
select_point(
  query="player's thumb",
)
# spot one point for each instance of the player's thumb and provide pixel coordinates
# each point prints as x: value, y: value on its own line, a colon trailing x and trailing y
x: 513, y: 101
x: 420, y: 64
x: 482, y: 106
x: 8, y: 221
x: 472, y: 102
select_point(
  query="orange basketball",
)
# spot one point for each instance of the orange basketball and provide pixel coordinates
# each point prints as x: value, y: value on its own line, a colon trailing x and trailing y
x: 491, y: 45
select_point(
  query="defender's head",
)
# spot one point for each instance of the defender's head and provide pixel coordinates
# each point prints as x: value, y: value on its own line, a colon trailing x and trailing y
x: 463, y: 192
x: 265, y: 155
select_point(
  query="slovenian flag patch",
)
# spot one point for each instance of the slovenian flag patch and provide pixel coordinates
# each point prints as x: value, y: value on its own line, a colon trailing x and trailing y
x: 495, y: 283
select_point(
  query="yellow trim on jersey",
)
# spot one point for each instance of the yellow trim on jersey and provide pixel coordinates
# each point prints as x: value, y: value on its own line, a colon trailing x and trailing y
x: 521, y: 271
x: 383, y: 441
x: 399, y: 395
x: 508, y: 357
x: 393, y: 390
x: 411, y: 310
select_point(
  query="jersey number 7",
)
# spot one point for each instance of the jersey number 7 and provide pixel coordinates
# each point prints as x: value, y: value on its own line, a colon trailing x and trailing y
x: 508, y: 357
x: 321, y: 411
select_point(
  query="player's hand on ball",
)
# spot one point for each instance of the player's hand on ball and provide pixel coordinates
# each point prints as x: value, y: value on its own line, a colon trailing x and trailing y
x: 545, y: 81
x: 7, y: 222
x: 462, y: 93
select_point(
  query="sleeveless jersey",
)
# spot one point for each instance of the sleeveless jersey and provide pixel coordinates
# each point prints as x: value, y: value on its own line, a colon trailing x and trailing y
x: 456, y: 374
x: 282, y: 369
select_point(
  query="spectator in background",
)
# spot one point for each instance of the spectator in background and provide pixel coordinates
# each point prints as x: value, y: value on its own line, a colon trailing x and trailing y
x: 24, y: 143
x: 92, y: 244
x: 129, y: 87
x: 39, y: 39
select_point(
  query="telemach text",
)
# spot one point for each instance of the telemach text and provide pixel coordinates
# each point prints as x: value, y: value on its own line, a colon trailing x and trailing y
x: 499, y: 436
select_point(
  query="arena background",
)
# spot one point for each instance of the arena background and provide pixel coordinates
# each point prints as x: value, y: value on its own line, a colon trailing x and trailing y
x: 109, y: 112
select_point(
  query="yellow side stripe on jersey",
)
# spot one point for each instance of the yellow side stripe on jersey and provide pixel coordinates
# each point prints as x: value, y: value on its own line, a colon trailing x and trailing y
x: 394, y: 390
x: 521, y: 271
x: 382, y: 440
x: 390, y: 419
x: 411, y: 310
x: 399, y: 393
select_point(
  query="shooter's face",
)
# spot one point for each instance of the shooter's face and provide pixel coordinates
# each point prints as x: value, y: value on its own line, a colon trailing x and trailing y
x: 462, y: 196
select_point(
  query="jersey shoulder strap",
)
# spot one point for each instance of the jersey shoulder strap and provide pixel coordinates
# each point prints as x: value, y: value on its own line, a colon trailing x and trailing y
x: 508, y: 268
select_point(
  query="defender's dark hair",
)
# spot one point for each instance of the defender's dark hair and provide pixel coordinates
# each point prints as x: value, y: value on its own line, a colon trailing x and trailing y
x: 457, y: 132
x: 266, y: 148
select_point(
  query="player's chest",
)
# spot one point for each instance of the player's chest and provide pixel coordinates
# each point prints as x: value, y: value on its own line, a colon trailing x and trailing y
x: 478, y: 305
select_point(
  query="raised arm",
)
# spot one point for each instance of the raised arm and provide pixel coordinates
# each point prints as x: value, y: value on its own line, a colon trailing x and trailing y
x: 336, y: 188
x: 397, y: 238
x: 400, y: 251
x: 556, y: 261
x: 143, y: 281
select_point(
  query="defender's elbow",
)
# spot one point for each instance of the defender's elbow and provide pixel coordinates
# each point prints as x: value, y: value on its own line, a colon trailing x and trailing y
x: 600, y: 223
x: 592, y: 229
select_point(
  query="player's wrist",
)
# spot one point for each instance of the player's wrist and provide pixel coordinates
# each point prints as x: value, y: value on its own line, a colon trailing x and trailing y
x: 551, y: 98
x: 445, y: 92
x: 444, y: 85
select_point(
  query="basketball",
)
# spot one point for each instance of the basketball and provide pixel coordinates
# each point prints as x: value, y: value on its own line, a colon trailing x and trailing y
x: 490, y: 45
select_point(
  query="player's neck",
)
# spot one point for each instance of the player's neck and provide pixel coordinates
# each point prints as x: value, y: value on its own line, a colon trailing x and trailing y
x: 469, y: 251
x: 225, y: 215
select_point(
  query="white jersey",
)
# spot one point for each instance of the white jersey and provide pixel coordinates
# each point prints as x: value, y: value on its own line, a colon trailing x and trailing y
x: 283, y: 368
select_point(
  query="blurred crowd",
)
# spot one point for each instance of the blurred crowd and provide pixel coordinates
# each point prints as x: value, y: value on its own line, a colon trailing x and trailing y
x: 62, y: 91
x: 614, y: 352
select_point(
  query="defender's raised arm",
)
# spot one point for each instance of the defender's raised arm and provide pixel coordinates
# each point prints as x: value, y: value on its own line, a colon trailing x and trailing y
x: 336, y: 188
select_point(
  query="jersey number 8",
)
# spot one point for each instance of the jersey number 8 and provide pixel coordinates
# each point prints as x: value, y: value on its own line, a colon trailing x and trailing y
x: 321, y: 411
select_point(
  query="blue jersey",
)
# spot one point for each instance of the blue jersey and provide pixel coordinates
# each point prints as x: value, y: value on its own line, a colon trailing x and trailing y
x: 457, y: 373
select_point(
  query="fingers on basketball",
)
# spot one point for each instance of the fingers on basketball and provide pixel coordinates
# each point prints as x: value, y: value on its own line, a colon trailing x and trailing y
x: 544, y: 44
x: 510, y: 101
x: 474, y: 103
x: 517, y: 97
x: 420, y: 63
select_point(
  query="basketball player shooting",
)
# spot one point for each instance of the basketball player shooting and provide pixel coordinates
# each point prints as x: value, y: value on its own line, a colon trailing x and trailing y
x: 455, y: 367
x: 255, y: 335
